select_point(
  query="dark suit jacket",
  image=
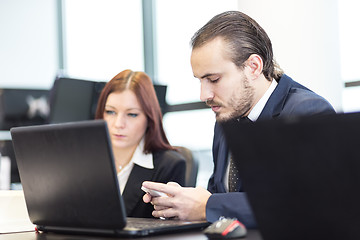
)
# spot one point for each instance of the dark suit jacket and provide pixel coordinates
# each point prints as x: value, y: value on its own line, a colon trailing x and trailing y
x: 288, y: 99
x: 169, y: 166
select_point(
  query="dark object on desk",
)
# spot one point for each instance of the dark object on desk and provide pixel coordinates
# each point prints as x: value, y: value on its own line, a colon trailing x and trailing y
x: 6, y: 149
x: 301, y: 175
x: 20, y: 107
x: 70, y: 183
x: 226, y: 228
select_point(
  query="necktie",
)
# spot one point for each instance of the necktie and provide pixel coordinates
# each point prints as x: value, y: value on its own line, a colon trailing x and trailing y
x: 233, y: 176
x: 233, y: 171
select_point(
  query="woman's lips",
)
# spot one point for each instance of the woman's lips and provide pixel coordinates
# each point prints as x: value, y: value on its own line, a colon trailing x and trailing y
x: 119, y: 136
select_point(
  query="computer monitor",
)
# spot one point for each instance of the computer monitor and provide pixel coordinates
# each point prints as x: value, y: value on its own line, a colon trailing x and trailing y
x: 21, y: 107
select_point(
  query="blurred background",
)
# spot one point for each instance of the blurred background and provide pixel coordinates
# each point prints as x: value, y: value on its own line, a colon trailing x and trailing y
x: 57, y: 54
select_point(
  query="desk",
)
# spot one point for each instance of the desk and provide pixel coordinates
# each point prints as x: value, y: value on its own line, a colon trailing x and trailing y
x: 13, y: 207
x: 13, y: 212
x: 193, y: 235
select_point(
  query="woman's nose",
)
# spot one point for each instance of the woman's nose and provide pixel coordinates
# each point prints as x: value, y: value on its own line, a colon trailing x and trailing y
x: 120, y: 121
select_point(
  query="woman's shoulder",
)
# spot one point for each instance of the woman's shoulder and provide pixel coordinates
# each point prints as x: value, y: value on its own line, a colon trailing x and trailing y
x: 168, y: 155
x: 169, y: 166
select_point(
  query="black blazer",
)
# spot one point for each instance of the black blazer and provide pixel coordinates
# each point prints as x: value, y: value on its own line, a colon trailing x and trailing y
x: 169, y: 166
x: 288, y: 99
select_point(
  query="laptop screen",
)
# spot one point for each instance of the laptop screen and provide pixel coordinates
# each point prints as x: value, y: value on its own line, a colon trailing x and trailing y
x: 67, y: 169
x: 301, y: 175
x: 70, y: 183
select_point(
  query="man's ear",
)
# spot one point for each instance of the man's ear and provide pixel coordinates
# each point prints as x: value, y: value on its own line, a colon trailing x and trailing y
x: 255, y: 65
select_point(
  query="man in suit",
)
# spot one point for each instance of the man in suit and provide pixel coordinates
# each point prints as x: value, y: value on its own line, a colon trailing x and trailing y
x: 233, y: 59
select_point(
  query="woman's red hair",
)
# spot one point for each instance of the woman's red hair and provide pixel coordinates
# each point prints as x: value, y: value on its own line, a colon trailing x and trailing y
x: 141, y: 85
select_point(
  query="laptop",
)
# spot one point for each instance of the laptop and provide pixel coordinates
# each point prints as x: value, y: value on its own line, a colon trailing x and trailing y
x: 301, y: 175
x: 70, y: 183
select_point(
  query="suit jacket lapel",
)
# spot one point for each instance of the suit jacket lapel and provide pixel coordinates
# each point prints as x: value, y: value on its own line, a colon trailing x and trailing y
x: 222, y: 160
x: 132, y: 191
x: 276, y: 102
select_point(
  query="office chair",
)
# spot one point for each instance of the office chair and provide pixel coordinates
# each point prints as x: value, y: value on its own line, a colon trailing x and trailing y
x: 192, y: 166
x: 73, y: 99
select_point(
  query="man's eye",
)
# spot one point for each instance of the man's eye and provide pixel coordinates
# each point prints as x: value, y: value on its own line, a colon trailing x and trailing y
x: 133, y: 115
x: 213, y: 80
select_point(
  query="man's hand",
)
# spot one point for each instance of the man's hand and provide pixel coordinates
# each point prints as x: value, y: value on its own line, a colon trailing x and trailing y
x: 181, y: 202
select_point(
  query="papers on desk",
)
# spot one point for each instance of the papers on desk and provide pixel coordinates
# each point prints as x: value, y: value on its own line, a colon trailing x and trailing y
x: 5, y: 135
x: 14, y: 226
x: 5, y: 172
x: 13, y: 212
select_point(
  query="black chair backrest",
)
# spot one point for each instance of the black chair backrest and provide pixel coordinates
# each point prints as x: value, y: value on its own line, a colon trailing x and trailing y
x: 192, y: 166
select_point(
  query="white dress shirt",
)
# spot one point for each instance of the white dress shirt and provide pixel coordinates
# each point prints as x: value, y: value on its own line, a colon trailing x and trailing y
x: 253, y: 116
x: 138, y: 158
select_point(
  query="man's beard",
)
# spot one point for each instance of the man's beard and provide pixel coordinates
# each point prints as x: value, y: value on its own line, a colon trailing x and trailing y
x: 240, y: 103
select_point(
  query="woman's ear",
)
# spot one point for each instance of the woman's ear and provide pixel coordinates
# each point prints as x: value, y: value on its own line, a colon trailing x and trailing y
x: 255, y: 65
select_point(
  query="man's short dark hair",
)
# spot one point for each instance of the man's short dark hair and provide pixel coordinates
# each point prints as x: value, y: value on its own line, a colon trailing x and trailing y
x: 244, y: 37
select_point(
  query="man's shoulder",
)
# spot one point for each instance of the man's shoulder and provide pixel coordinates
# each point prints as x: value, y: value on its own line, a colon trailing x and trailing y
x: 299, y: 100
x: 304, y: 101
x: 287, y: 82
x: 305, y: 93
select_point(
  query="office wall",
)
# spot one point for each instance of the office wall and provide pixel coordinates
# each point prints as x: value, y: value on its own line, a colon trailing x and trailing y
x: 304, y: 34
x: 305, y: 37
x: 102, y: 37
x: 28, y: 43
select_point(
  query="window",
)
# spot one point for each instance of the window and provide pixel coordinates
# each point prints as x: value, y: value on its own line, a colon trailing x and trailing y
x: 349, y: 52
x: 177, y: 21
x: 102, y: 38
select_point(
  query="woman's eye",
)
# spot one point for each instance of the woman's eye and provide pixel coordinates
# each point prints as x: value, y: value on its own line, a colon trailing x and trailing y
x: 109, y: 112
x: 133, y: 115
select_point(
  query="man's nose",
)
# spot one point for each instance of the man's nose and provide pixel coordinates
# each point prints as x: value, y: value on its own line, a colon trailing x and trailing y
x: 206, y: 92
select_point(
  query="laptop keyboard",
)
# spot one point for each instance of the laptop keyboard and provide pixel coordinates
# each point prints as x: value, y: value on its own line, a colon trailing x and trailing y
x: 145, y: 223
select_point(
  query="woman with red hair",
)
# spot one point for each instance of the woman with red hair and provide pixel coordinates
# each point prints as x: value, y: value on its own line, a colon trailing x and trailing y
x: 142, y: 152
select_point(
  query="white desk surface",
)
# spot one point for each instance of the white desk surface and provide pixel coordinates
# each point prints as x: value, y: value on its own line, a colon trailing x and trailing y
x: 15, y: 224
x: 13, y: 212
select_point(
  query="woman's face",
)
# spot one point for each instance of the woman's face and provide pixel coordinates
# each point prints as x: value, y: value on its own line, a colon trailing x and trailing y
x: 126, y: 120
